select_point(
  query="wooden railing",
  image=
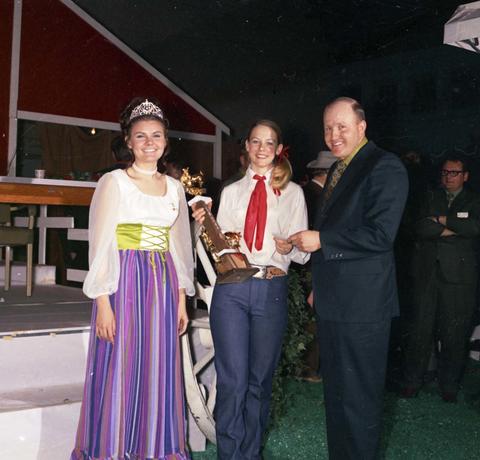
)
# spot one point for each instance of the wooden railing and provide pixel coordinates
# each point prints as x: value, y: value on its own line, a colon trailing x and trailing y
x: 45, y: 192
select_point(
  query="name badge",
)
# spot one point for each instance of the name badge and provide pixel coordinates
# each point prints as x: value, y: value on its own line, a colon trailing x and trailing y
x: 462, y: 215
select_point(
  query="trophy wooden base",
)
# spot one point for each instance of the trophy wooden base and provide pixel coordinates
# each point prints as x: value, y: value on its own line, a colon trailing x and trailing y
x: 234, y: 268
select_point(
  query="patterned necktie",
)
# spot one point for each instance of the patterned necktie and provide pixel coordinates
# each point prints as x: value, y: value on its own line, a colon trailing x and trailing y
x: 256, y: 217
x: 450, y: 198
x: 337, y: 173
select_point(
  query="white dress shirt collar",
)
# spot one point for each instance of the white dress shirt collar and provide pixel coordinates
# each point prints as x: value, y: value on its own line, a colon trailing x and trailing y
x: 251, y: 173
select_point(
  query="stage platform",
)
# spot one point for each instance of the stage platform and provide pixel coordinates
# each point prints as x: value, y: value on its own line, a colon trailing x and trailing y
x: 51, y: 309
x: 43, y: 347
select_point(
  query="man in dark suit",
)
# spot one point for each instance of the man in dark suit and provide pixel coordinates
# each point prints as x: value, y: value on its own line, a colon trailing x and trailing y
x: 445, y: 281
x: 354, y: 278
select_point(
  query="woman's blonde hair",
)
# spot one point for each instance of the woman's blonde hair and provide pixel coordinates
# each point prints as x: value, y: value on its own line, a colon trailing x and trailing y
x: 282, y: 169
x: 282, y: 172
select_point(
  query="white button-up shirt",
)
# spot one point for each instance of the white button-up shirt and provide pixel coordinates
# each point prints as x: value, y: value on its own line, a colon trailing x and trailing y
x: 286, y: 214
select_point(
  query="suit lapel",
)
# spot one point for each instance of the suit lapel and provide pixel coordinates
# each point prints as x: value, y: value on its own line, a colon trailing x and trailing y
x: 458, y: 202
x: 363, y: 161
x: 439, y: 203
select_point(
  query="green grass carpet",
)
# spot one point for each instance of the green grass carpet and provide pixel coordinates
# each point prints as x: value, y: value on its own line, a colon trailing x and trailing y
x: 415, y: 429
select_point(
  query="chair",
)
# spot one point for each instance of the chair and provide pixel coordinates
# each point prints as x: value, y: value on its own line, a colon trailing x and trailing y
x: 16, y: 236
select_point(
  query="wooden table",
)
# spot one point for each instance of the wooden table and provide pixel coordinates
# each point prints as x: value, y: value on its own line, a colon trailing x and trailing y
x: 44, y: 192
x: 23, y: 190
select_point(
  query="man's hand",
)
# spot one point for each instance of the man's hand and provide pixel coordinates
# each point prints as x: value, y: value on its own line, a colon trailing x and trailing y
x: 105, y: 321
x: 282, y: 246
x: 439, y: 220
x: 442, y: 220
x: 306, y: 240
x: 310, y: 298
x: 447, y: 232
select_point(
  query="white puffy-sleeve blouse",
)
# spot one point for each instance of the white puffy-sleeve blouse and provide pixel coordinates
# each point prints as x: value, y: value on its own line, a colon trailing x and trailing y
x: 117, y: 200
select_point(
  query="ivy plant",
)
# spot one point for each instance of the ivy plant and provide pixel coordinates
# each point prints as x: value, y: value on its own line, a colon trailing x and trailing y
x: 295, y: 341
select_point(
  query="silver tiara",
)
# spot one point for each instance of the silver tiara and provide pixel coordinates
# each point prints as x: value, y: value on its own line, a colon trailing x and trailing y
x: 146, y: 108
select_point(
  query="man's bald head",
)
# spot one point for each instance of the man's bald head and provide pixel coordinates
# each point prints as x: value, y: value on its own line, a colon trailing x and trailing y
x: 354, y: 104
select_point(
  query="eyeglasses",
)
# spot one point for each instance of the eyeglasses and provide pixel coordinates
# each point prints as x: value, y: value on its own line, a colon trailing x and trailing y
x: 450, y: 172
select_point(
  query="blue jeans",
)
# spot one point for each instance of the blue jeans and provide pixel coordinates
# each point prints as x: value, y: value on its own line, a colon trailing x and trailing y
x: 248, y: 322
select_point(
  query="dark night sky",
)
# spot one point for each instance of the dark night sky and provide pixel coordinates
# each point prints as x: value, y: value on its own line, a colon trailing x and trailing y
x: 239, y: 58
x: 223, y: 49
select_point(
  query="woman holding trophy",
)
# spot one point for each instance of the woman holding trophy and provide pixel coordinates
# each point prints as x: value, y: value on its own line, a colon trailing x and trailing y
x: 248, y: 318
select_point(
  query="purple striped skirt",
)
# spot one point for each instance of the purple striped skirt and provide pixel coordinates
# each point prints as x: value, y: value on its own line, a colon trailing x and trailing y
x: 133, y: 402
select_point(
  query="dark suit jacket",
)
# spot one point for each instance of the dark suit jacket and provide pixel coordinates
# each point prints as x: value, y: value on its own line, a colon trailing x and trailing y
x: 354, y: 271
x: 312, y: 192
x: 456, y: 255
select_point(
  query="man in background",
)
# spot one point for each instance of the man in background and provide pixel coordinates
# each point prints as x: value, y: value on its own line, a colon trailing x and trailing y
x: 445, y: 282
x: 243, y: 165
x: 173, y: 165
x: 121, y: 154
x: 317, y: 172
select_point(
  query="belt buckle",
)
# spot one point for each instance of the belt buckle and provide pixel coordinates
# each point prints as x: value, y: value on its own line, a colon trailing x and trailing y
x: 262, y: 272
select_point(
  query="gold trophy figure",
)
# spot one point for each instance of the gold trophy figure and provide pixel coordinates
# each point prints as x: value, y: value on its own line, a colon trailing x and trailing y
x: 231, y: 265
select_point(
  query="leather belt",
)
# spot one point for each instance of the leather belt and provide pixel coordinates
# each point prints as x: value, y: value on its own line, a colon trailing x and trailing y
x: 267, y: 272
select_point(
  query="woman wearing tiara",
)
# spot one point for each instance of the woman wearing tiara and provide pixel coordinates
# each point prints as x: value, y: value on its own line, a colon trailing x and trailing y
x: 248, y: 319
x: 141, y: 268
